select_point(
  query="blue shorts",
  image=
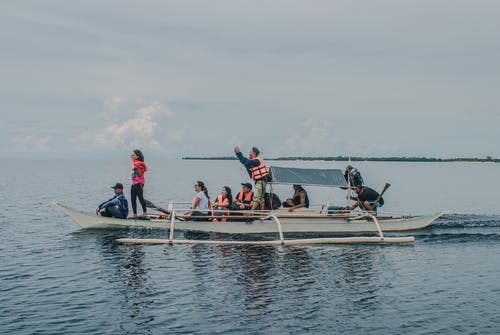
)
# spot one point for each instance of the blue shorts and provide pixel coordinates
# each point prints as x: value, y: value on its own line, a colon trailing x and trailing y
x: 334, y: 209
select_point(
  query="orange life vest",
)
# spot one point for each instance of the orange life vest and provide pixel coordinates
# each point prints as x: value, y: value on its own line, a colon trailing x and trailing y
x: 247, y: 199
x: 222, y: 202
x: 259, y: 171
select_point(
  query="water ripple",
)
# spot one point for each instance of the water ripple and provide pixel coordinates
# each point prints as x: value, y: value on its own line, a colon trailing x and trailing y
x: 58, y: 279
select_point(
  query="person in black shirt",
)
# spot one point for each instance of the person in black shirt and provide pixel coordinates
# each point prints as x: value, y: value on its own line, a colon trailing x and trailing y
x: 367, y: 199
x: 299, y: 200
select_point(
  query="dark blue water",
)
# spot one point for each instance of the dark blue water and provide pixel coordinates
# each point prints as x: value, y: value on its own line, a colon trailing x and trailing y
x: 58, y: 279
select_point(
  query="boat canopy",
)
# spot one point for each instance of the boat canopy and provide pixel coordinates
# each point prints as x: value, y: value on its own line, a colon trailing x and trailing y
x: 316, y: 177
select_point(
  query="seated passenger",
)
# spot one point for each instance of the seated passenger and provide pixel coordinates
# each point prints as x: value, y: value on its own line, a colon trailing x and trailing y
x: 299, y: 200
x: 367, y: 199
x: 116, y: 207
x: 244, y: 198
x: 223, y: 202
x: 200, y: 205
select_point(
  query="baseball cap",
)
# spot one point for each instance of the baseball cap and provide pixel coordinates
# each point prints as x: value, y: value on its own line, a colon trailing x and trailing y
x: 118, y: 185
x: 247, y: 185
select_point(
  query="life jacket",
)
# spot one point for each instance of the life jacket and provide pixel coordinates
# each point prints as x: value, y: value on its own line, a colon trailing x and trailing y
x: 222, y: 202
x: 247, y: 199
x: 260, y: 171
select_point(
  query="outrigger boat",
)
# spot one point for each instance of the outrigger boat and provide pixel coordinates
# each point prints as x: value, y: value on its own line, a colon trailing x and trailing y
x: 274, y: 221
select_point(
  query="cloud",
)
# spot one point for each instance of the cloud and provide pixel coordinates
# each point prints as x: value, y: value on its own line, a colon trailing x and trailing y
x: 32, y: 143
x: 111, y: 105
x: 138, y: 130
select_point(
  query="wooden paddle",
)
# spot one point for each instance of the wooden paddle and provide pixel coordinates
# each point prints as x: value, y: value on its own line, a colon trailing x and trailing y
x: 386, y: 186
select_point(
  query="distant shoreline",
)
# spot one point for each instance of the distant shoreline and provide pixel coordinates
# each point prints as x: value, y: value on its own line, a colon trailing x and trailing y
x: 360, y: 159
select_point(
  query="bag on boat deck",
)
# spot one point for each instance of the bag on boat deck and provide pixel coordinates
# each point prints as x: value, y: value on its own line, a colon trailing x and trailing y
x: 274, y: 203
x: 352, y: 173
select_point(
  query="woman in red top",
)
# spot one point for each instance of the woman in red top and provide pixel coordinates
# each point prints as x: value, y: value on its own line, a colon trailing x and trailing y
x: 138, y: 181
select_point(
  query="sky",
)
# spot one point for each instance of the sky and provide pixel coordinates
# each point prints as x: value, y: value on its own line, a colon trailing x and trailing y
x: 294, y: 78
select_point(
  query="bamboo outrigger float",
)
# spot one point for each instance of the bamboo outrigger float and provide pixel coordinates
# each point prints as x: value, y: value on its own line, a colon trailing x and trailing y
x: 278, y: 221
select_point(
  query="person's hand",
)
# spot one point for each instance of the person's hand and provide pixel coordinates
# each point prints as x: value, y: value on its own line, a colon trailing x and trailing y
x: 290, y: 209
x: 97, y: 211
x: 236, y: 149
x: 348, y: 208
x: 242, y: 206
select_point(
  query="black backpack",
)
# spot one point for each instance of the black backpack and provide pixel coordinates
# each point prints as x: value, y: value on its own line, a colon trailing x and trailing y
x: 275, y: 203
x: 355, y: 175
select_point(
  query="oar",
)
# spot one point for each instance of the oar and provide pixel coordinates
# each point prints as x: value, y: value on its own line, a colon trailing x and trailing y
x: 386, y: 186
x: 149, y: 204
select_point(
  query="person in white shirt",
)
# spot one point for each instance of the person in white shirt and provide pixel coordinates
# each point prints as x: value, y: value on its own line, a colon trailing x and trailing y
x: 200, y: 205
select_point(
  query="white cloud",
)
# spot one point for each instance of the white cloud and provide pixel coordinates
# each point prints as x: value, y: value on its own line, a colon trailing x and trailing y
x: 111, y: 105
x: 32, y: 143
x: 138, y: 130
x: 387, y: 66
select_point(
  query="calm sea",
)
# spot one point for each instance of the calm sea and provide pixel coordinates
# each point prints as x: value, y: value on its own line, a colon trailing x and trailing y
x: 58, y: 279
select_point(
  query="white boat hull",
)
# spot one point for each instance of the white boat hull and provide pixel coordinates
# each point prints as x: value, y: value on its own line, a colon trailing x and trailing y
x: 289, y: 224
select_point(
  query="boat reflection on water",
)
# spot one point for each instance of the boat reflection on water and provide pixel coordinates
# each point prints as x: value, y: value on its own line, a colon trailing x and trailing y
x: 254, y: 272
x: 124, y: 271
x: 240, y: 285
x: 257, y: 268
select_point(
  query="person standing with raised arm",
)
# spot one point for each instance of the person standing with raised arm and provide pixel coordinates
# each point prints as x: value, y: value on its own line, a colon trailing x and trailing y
x: 258, y: 172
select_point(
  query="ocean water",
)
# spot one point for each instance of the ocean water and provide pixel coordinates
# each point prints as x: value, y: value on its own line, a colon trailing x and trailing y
x: 58, y: 279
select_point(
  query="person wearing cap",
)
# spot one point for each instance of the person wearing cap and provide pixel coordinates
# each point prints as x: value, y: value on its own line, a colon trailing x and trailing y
x: 258, y: 172
x: 299, y: 199
x: 138, y: 181
x: 116, y: 207
x: 244, y: 198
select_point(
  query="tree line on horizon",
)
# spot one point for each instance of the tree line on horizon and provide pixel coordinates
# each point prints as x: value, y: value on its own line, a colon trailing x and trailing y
x: 358, y: 159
